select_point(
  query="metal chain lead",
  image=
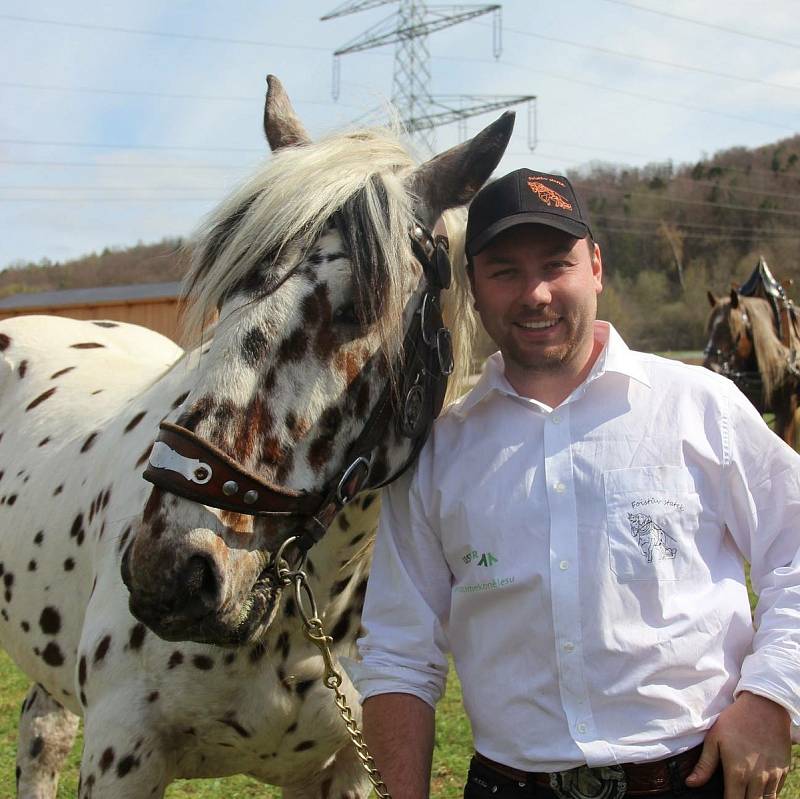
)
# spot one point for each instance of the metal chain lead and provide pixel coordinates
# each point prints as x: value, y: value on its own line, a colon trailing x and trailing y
x: 313, y: 630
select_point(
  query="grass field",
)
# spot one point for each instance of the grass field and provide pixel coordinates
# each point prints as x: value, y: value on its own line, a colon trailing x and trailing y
x: 451, y: 755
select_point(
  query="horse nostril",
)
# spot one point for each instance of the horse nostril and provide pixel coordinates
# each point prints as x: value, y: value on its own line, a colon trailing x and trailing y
x: 199, y: 581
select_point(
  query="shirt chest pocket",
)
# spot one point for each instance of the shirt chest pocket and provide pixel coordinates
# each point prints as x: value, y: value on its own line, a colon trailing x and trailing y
x: 652, y: 518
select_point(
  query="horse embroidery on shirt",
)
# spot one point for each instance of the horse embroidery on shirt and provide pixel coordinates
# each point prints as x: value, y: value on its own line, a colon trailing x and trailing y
x: 653, y: 540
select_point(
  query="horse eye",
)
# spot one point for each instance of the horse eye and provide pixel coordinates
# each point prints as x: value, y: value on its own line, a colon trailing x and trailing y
x: 346, y: 315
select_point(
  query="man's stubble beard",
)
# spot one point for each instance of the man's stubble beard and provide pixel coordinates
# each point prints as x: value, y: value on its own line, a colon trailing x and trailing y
x: 581, y: 331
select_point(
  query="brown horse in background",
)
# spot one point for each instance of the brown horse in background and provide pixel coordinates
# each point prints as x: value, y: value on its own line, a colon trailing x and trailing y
x: 744, y: 345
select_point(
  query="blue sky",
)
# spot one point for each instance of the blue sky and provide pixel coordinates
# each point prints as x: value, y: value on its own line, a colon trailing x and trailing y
x: 112, y: 137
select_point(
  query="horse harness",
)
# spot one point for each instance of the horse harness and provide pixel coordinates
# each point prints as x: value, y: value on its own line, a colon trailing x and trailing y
x: 184, y: 464
x: 749, y: 381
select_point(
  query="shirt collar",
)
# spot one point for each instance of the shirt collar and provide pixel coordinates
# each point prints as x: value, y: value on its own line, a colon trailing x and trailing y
x: 615, y: 357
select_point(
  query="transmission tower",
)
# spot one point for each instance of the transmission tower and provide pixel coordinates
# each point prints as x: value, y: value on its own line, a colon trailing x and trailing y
x: 408, y: 29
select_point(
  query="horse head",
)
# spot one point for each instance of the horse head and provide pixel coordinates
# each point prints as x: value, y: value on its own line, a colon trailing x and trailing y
x: 729, y: 348
x: 321, y: 267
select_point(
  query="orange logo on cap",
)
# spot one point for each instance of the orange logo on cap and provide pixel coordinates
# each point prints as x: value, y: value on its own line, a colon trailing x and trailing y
x: 547, y: 195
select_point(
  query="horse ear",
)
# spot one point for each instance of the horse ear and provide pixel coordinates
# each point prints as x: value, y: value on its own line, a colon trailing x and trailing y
x: 734, y: 298
x: 453, y: 177
x: 712, y: 300
x: 281, y: 124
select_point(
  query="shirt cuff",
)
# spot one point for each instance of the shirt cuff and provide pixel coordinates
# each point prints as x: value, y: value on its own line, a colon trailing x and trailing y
x: 373, y: 680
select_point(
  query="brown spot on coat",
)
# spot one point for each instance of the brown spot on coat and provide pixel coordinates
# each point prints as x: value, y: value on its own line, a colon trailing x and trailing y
x: 175, y: 659
x: 203, y: 662
x: 89, y: 441
x: 41, y: 398
x: 106, y: 760
x: 127, y: 764
x: 87, y: 345
x: 50, y: 621
x: 4, y: 341
x: 52, y: 654
x: 137, y: 635
x: 22, y: 368
x: 133, y: 422
x: 234, y: 725
x: 61, y: 372
x: 102, y: 649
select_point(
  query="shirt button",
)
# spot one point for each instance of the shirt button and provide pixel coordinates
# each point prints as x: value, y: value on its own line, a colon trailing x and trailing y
x: 560, y: 488
x: 555, y: 418
x: 569, y: 646
x: 564, y: 565
x: 581, y: 728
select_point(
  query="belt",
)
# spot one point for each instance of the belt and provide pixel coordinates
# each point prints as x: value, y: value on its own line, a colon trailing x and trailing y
x: 643, y: 779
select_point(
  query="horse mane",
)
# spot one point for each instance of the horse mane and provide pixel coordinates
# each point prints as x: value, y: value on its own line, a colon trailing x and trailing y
x: 771, y: 355
x: 353, y: 179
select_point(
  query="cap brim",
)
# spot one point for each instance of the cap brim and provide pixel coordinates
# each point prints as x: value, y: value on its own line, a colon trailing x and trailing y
x: 577, y: 229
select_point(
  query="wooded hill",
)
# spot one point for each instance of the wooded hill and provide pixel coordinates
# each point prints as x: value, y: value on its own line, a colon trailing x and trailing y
x: 667, y: 234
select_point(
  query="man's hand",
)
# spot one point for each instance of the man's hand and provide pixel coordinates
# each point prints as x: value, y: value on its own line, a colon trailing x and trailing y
x: 752, y: 738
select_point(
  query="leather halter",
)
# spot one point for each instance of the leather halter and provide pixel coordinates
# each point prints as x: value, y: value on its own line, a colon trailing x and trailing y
x: 183, y: 464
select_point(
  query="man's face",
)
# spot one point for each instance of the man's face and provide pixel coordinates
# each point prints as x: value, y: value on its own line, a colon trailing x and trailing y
x: 536, y: 291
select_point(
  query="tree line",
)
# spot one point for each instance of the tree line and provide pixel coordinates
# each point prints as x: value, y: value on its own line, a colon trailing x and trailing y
x: 668, y: 233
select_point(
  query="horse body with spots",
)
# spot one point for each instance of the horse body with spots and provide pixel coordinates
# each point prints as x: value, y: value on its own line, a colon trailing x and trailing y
x: 150, y: 615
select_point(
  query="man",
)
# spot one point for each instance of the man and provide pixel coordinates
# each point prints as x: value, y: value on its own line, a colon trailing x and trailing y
x: 573, y: 533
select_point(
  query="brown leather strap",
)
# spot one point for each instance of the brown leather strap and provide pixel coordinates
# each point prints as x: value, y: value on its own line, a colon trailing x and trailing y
x: 265, y: 499
x: 643, y: 779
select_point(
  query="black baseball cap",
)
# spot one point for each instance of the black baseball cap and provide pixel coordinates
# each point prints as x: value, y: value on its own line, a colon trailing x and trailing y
x: 524, y: 197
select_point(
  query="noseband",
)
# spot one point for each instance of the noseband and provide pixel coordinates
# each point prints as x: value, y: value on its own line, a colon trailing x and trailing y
x: 183, y: 464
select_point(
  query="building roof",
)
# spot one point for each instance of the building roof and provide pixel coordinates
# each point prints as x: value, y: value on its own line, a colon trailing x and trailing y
x: 136, y: 292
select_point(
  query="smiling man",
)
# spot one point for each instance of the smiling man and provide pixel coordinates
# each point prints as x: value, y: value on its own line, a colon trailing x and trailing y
x: 574, y: 533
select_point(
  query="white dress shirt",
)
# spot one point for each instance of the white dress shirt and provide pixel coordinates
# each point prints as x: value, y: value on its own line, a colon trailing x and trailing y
x: 584, y: 564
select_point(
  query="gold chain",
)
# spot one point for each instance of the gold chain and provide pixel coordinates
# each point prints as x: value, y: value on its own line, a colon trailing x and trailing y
x: 313, y: 630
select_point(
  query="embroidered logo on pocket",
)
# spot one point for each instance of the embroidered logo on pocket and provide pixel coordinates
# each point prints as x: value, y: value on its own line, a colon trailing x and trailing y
x: 654, y: 542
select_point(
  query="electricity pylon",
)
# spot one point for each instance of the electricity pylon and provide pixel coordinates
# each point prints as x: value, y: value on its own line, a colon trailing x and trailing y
x: 408, y: 29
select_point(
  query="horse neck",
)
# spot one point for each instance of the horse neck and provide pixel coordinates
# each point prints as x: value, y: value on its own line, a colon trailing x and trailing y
x: 772, y: 356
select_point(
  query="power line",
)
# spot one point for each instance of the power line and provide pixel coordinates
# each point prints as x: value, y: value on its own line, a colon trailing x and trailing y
x: 625, y: 92
x: 705, y: 24
x: 165, y: 95
x: 42, y: 142
x: 702, y: 236
x: 681, y: 224
x: 600, y: 190
x: 130, y: 165
x: 108, y: 199
x: 658, y: 61
x: 164, y: 34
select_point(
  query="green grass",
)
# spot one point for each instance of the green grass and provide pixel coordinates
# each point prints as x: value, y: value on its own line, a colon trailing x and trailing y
x: 451, y: 756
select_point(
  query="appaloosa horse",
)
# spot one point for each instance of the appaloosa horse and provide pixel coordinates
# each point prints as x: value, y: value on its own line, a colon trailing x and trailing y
x: 743, y: 345
x: 156, y: 617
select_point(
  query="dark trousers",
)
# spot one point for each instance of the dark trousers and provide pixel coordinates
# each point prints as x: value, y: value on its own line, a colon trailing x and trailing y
x: 486, y: 783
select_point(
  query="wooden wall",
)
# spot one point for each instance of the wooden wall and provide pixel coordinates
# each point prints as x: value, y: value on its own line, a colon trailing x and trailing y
x: 160, y: 315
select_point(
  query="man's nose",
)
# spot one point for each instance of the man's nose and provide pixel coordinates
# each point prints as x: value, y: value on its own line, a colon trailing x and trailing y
x: 536, y: 292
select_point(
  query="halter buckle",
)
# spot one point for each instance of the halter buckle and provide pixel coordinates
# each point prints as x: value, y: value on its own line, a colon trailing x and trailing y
x: 345, y: 493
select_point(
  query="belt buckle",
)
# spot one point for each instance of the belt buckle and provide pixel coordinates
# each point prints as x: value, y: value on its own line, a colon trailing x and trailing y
x: 583, y: 782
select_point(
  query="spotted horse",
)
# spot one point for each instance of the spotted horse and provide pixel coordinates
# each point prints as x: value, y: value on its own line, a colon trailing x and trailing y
x: 153, y: 615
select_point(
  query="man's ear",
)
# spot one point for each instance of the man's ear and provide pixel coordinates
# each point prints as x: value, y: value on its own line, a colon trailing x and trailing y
x: 597, y: 267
